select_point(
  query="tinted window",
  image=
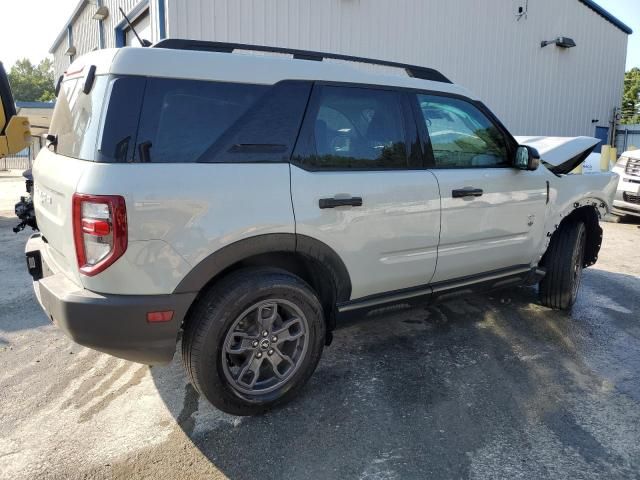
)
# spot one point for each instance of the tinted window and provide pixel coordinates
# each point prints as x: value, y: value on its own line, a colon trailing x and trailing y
x: 357, y: 128
x: 76, y: 117
x: 120, y: 119
x: 267, y: 131
x: 182, y: 119
x: 461, y: 135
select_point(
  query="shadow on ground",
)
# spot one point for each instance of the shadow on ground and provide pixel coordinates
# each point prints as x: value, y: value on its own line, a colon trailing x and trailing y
x: 16, y: 296
x: 481, y: 383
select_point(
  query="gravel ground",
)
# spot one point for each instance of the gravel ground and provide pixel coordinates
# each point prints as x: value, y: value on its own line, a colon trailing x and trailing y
x: 483, y: 387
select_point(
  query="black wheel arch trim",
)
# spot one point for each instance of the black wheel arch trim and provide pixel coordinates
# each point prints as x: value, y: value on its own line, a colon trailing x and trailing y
x: 289, y: 243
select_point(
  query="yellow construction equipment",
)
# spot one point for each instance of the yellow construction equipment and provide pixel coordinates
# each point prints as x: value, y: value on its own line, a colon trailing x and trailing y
x: 15, y: 131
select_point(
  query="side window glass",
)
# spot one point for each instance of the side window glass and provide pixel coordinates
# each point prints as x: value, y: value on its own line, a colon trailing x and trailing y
x: 267, y: 132
x: 182, y: 119
x: 461, y: 135
x: 358, y: 128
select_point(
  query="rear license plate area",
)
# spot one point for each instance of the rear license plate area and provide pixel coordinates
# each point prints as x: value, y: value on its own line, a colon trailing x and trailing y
x: 34, y: 264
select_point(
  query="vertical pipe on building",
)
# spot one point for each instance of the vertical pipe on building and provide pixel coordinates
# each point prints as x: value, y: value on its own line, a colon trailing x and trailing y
x: 100, y: 29
x: 162, y: 32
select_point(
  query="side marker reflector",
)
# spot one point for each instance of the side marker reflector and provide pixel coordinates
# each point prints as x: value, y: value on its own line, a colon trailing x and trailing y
x: 156, y: 317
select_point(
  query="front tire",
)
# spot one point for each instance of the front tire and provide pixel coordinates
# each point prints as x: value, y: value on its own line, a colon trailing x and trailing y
x: 253, y: 340
x: 563, y: 261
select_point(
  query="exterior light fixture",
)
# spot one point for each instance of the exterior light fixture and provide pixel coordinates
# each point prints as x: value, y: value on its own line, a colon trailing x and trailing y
x: 562, y: 42
x: 71, y: 51
x: 101, y: 13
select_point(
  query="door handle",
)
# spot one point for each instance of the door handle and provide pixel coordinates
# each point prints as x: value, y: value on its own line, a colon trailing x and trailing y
x: 340, y: 202
x: 466, y: 192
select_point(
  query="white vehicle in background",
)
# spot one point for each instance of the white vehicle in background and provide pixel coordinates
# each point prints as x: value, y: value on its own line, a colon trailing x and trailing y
x: 627, y: 199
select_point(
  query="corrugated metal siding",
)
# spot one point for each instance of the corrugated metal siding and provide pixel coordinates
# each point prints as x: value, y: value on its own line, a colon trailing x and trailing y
x: 85, y: 31
x: 481, y: 45
x: 60, y: 61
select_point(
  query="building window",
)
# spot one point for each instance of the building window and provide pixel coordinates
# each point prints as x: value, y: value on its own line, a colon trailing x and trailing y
x: 141, y: 21
x: 142, y: 24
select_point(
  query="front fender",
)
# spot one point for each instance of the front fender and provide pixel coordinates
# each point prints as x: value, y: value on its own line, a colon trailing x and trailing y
x: 569, y: 193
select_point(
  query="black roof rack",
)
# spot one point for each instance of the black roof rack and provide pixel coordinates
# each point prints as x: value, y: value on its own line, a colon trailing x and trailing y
x: 412, y: 70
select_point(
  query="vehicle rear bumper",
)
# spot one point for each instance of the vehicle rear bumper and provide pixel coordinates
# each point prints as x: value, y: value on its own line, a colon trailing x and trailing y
x: 114, y: 324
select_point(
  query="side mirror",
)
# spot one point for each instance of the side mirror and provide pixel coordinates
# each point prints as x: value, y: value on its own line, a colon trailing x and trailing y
x: 527, y: 158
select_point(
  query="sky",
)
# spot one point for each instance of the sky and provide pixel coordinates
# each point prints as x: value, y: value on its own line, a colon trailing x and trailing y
x: 29, y: 27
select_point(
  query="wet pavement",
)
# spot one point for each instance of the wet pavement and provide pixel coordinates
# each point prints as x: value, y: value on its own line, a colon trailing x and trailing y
x: 490, y: 386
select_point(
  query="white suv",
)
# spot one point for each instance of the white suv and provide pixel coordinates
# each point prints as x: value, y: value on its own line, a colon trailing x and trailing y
x: 250, y: 201
x: 627, y: 199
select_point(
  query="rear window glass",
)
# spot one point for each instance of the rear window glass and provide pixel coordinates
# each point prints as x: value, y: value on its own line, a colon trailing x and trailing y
x: 182, y: 119
x: 76, y: 117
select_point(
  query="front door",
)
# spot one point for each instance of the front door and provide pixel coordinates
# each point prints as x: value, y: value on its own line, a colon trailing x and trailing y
x: 492, y: 214
x: 358, y: 185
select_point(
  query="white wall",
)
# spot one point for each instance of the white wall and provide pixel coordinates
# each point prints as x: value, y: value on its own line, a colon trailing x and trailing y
x: 480, y: 45
x: 85, y: 31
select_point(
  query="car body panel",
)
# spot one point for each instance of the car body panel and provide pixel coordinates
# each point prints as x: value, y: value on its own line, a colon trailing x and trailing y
x: 388, y: 243
x: 497, y: 230
x: 55, y: 181
x: 190, y: 215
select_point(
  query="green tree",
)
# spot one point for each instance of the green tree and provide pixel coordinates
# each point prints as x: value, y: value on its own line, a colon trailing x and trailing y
x: 32, y: 83
x: 631, y: 97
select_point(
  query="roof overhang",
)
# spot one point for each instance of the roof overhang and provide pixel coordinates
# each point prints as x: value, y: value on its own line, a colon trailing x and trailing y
x: 607, y: 16
x: 63, y: 33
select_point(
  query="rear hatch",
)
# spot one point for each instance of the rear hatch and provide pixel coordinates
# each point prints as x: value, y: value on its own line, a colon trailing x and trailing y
x: 55, y: 180
x: 59, y: 167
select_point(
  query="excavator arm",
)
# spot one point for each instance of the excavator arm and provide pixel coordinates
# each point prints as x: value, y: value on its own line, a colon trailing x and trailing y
x: 15, y: 132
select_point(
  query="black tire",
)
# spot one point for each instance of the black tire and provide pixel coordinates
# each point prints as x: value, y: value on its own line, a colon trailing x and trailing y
x: 208, y: 338
x: 563, y: 261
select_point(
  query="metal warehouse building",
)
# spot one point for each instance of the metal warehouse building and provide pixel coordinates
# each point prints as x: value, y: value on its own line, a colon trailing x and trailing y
x: 569, y: 87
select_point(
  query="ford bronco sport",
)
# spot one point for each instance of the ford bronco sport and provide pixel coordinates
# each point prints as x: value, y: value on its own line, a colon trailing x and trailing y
x: 248, y: 201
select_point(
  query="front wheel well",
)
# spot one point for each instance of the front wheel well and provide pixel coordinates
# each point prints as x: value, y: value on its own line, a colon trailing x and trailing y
x: 590, y: 217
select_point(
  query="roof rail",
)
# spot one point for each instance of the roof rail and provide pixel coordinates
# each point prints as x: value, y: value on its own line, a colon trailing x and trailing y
x: 415, y: 71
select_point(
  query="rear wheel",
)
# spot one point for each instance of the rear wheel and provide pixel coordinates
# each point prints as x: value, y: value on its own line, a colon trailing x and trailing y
x: 254, y: 340
x: 563, y: 261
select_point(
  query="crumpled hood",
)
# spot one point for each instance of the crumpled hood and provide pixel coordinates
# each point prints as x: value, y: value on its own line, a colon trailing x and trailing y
x: 561, y: 154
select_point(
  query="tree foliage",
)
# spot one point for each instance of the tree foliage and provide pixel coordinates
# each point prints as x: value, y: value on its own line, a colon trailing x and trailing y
x: 32, y: 83
x: 631, y: 97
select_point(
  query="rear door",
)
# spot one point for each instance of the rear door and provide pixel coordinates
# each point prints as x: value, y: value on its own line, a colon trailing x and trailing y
x: 492, y: 214
x: 358, y: 185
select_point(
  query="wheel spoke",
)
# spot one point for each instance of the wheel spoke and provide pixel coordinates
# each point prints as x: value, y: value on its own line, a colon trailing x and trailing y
x: 252, y: 365
x: 239, y: 342
x: 276, y: 359
x: 284, y: 334
x: 267, y: 314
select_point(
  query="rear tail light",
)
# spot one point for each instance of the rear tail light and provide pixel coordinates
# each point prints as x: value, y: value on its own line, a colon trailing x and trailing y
x: 99, y: 231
